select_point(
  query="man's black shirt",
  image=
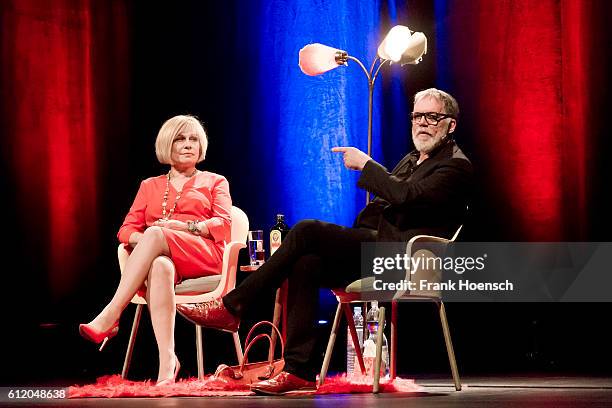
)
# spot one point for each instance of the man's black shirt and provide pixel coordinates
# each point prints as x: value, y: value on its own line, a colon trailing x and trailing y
x: 428, y: 198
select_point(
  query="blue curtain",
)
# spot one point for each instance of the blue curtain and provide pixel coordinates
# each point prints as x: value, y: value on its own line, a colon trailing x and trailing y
x: 296, y: 119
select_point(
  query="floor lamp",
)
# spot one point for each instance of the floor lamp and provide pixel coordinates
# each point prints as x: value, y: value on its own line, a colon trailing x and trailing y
x: 401, y: 45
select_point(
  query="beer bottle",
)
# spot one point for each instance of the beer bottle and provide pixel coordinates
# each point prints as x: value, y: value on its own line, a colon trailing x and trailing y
x: 278, y: 233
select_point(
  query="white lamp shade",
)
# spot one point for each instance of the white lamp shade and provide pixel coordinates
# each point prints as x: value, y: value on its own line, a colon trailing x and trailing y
x: 315, y: 59
x: 395, y: 43
x: 400, y: 44
x: 417, y: 46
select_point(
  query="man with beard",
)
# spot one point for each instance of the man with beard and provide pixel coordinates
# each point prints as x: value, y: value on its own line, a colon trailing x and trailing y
x: 426, y: 193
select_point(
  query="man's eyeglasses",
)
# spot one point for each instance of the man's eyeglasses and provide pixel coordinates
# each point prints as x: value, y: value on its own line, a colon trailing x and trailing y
x: 431, y: 118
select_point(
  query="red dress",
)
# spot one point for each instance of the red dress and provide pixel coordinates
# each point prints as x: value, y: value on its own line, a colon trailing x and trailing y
x: 205, y: 198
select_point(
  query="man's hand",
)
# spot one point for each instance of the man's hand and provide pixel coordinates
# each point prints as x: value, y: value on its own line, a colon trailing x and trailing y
x: 354, y: 158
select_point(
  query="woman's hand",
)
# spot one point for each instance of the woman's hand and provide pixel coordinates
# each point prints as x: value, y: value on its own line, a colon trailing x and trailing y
x: 171, y: 224
x: 204, y: 232
x: 182, y: 226
x: 134, y: 239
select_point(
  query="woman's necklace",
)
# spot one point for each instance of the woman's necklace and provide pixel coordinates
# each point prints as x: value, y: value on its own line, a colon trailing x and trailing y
x: 178, y: 196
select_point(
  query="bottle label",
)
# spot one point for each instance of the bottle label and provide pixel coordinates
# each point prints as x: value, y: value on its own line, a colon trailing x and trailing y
x: 275, y: 240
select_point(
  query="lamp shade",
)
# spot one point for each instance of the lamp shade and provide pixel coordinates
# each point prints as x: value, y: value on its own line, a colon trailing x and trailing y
x: 417, y: 47
x: 315, y: 59
x: 402, y: 45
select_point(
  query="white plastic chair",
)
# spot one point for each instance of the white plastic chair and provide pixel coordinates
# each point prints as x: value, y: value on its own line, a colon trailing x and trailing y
x: 198, y: 290
x: 361, y: 290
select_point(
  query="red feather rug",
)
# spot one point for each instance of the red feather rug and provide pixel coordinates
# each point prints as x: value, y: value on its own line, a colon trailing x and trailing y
x: 116, y: 387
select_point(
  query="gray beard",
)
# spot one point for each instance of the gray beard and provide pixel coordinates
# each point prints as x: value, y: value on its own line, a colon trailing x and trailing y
x: 426, y: 147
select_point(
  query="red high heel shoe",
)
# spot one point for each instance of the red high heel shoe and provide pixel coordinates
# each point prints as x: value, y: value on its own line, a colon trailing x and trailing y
x: 171, y: 380
x: 97, y: 337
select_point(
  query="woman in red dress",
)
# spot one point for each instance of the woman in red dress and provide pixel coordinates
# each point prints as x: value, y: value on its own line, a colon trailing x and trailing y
x: 177, y: 226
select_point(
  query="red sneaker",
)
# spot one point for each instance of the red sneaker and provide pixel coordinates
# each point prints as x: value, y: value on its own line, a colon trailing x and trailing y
x: 282, y: 383
x: 211, y: 314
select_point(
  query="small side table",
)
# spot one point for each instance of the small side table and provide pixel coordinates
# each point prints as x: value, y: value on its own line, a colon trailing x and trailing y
x: 280, y: 310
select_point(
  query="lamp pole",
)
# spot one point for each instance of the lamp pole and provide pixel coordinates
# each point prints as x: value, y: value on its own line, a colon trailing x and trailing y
x: 371, y: 75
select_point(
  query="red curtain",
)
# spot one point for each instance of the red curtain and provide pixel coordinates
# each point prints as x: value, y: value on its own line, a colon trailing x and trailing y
x: 527, y: 67
x: 529, y: 71
x: 57, y: 59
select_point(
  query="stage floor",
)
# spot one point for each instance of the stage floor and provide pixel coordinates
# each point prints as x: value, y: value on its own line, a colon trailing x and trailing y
x: 516, y: 391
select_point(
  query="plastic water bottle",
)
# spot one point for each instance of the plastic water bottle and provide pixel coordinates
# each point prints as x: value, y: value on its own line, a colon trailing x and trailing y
x: 372, y: 320
x: 350, y: 348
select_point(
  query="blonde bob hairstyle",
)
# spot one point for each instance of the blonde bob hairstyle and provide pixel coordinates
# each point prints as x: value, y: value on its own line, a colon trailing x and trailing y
x: 171, y: 129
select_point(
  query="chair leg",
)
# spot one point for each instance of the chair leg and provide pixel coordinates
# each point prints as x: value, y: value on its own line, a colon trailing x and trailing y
x: 379, y: 344
x: 449, y: 346
x: 351, y: 325
x: 276, y: 319
x: 130, y: 348
x: 199, y: 351
x: 393, y: 350
x: 238, y: 347
x: 330, y: 344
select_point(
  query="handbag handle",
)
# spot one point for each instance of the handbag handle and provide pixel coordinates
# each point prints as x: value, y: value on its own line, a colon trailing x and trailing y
x: 249, y: 343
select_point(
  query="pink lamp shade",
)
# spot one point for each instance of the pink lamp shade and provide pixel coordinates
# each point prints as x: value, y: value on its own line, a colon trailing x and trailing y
x: 316, y: 59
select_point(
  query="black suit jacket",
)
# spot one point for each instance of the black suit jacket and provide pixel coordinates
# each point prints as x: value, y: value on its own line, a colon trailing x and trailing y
x: 430, y: 198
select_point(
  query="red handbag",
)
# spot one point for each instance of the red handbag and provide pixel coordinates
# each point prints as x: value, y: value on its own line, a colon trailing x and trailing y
x: 248, y: 373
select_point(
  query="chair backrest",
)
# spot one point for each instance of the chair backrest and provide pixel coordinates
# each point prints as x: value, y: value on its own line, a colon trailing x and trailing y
x: 240, y: 230
x: 456, y: 234
x: 240, y: 225
x: 427, y: 275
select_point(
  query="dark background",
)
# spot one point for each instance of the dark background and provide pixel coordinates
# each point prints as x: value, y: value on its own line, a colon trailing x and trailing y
x: 146, y: 67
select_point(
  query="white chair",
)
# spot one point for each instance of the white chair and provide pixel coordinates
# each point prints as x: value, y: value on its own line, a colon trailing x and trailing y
x: 199, y: 290
x: 362, y: 290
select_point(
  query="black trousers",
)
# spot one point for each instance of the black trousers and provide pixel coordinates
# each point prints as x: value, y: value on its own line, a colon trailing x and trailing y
x: 314, y: 254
